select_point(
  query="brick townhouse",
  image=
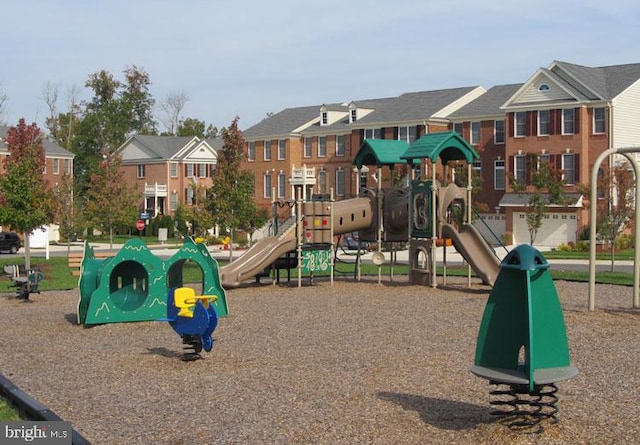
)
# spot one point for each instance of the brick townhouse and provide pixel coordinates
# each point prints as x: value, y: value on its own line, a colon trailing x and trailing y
x: 165, y: 169
x: 314, y: 146
x: 565, y: 114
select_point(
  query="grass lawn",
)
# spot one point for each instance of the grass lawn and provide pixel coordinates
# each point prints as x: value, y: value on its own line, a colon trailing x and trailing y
x: 7, y: 412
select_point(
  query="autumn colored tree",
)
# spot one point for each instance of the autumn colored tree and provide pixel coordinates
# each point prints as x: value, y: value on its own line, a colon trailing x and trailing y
x: 26, y: 202
x: 617, y: 207
x: 232, y: 200
x: 110, y: 201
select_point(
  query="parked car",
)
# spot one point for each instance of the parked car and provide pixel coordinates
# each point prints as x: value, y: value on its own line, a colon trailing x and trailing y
x: 9, y: 242
x: 350, y: 242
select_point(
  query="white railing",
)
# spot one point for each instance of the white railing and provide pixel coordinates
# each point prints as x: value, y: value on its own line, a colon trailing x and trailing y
x: 304, y: 174
x: 155, y: 189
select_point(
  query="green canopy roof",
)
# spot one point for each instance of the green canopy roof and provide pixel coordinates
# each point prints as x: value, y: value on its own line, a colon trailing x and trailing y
x: 448, y: 146
x: 381, y: 152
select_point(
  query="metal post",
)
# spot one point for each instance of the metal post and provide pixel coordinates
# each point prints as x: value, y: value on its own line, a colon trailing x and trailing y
x: 592, y: 226
x: 434, y: 189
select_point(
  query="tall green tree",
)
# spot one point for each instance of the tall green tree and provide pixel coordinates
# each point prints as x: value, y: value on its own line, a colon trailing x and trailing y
x: 195, y: 127
x: 111, y: 203
x: 232, y: 200
x: 546, y: 188
x: 26, y: 202
x: 116, y: 110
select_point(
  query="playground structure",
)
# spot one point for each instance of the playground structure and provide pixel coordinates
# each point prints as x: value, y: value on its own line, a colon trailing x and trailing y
x: 134, y: 283
x: 193, y: 318
x: 522, y: 341
x: 418, y: 213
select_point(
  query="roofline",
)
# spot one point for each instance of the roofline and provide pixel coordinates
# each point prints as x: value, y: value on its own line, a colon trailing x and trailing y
x: 556, y: 63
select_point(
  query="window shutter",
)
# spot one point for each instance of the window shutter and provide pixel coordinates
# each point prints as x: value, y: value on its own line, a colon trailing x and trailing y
x: 576, y: 114
x: 559, y: 162
x: 511, y: 124
x: 508, y: 170
x: 576, y: 167
x: 395, y: 133
x: 555, y: 125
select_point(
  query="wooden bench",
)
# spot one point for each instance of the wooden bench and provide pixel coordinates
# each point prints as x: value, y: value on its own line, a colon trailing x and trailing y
x: 75, y: 260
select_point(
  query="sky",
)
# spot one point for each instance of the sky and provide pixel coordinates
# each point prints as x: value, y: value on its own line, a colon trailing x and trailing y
x: 247, y: 58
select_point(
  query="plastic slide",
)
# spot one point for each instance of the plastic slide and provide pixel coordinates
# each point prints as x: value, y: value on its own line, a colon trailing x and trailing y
x: 475, y: 250
x: 349, y: 215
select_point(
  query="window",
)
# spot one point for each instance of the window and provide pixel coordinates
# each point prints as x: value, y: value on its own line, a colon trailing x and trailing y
x: 67, y: 166
x: 322, y: 181
x: 408, y: 134
x: 282, y: 150
x: 307, y: 147
x: 475, y: 132
x: 324, y: 118
x: 188, y: 195
x: 202, y: 169
x: 251, y: 153
x: 340, y: 151
x: 520, y: 119
x: 372, y: 133
x: 520, y: 168
x: 569, y: 168
x: 498, y: 175
x: 457, y: 127
x: 543, y: 122
x: 173, y: 169
x: 282, y: 185
x: 56, y: 166
x: 598, y: 120
x: 267, y: 185
x: 498, y: 132
x: 267, y: 150
x: 568, y: 121
x: 322, y: 146
x: 340, y: 182
x: 174, y: 202
x: 353, y: 115
x: 140, y: 170
x: 477, y: 168
x: 188, y: 170
x: 544, y: 158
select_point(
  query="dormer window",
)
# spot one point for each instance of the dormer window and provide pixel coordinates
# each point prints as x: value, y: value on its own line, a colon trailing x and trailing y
x: 353, y: 113
x: 324, y: 116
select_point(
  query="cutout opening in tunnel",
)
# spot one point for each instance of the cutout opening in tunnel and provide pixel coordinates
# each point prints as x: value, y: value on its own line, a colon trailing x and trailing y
x: 186, y: 273
x: 128, y: 285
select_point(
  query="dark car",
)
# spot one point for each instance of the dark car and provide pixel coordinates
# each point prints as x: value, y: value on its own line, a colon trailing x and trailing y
x: 9, y: 242
x: 351, y: 242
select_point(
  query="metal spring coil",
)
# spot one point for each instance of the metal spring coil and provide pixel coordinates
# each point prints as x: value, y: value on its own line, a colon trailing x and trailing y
x: 524, y: 409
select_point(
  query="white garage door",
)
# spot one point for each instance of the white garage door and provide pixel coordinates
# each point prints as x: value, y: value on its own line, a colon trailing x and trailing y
x: 557, y: 228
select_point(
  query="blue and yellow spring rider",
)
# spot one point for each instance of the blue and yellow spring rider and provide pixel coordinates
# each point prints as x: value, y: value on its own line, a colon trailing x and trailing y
x: 193, y: 318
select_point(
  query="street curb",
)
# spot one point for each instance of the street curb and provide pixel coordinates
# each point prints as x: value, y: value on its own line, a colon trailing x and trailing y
x: 34, y: 410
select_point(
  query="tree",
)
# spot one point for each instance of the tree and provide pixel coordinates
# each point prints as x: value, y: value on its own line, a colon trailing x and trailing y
x: 195, y: 127
x: 616, y: 209
x: 232, y: 199
x: 172, y: 106
x: 65, y: 213
x: 199, y: 214
x: 26, y: 203
x: 116, y: 110
x: 547, y: 186
x: 110, y: 202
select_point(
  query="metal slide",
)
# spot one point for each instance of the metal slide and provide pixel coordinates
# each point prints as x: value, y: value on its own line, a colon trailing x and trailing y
x: 349, y: 215
x: 475, y: 250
